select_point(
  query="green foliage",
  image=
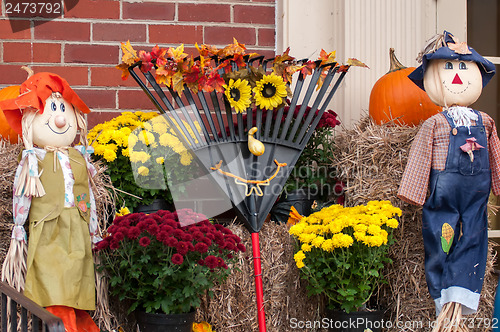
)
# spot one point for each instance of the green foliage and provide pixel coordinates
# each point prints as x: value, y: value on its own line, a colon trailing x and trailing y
x: 163, y: 267
x: 341, y: 252
x: 142, y: 153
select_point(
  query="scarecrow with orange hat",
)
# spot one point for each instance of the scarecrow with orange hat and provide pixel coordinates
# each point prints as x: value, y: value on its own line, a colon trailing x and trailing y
x: 52, y: 189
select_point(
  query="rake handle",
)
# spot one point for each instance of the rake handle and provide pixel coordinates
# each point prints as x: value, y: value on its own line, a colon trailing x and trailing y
x: 259, y: 290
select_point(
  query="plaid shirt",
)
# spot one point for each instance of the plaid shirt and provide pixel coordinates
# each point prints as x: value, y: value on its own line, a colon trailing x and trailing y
x: 430, y: 149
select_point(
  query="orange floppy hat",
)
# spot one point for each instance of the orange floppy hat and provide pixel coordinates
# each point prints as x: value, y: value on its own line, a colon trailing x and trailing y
x: 33, y: 93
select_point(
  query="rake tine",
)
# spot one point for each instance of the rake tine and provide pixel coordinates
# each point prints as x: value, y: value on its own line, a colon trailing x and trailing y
x: 230, y: 120
x: 159, y: 92
x: 241, y: 126
x: 144, y: 87
x: 258, y: 122
x: 277, y: 123
x: 218, y: 114
x: 188, y: 118
x: 206, y: 110
x: 249, y: 118
x: 178, y: 121
x: 317, y: 101
x: 305, y: 102
x: 194, y: 110
x: 269, y: 120
x: 306, y: 138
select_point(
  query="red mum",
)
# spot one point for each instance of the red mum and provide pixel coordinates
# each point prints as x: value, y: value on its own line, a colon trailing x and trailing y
x: 144, y: 241
x: 177, y: 259
x: 133, y: 232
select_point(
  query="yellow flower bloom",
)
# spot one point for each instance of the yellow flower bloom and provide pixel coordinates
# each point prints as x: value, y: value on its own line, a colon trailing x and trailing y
x: 238, y: 93
x: 318, y: 241
x: 306, y: 247
x: 160, y: 160
x: 109, y: 155
x: 299, y: 259
x: 186, y: 158
x: 123, y: 211
x: 143, y: 170
x: 269, y: 91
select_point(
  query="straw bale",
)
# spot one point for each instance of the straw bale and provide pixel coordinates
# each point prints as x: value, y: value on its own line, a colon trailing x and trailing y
x: 233, y: 306
x: 371, y: 160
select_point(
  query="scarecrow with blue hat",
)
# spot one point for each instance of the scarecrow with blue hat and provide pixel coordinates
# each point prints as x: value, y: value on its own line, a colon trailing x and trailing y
x: 456, y: 154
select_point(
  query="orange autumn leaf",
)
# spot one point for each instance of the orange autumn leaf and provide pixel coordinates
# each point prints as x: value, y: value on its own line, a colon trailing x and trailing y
x: 356, y: 62
x: 178, y: 82
x: 206, y: 50
x: 294, y: 216
x: 214, y: 82
x: 327, y: 57
x: 124, y: 68
x: 177, y: 53
x: 283, y: 57
x: 202, y: 327
x: 129, y: 56
x: 308, y: 68
x: 231, y: 49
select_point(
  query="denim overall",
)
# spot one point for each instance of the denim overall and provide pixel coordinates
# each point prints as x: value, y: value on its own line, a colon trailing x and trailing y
x: 459, y: 196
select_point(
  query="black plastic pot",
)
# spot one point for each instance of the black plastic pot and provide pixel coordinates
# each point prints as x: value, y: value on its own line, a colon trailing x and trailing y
x: 300, y: 199
x: 357, y: 321
x: 165, y: 323
x: 156, y: 205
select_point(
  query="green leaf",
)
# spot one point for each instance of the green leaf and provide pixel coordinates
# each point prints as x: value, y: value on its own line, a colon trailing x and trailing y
x: 373, y: 273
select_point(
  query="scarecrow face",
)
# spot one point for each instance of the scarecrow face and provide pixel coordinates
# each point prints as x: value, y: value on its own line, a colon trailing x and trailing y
x: 56, y: 126
x: 453, y: 82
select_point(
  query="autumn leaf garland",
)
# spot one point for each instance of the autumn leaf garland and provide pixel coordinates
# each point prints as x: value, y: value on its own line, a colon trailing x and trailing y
x: 176, y: 69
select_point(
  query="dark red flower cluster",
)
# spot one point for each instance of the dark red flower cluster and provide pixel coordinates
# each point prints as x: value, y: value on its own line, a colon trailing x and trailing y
x: 200, y: 240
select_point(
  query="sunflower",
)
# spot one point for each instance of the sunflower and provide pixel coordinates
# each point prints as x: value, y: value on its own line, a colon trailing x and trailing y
x: 238, y: 93
x: 269, y: 91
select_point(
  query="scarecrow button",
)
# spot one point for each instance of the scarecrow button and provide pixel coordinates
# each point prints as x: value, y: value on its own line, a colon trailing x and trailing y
x: 454, y: 131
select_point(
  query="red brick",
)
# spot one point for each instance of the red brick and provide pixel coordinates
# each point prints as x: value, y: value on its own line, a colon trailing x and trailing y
x: 47, y: 52
x: 94, y: 9
x: 56, y: 30
x: 109, y: 76
x: 204, y: 12
x: 12, y: 74
x: 98, y: 98
x: 134, y: 99
x: 254, y: 14
x: 175, y: 34
x: 224, y: 35
x: 117, y: 32
x: 16, y: 52
x: 266, y: 37
x: 100, y: 54
x: 18, y: 29
x: 149, y: 11
x: 268, y: 54
x: 74, y: 75
x: 96, y: 117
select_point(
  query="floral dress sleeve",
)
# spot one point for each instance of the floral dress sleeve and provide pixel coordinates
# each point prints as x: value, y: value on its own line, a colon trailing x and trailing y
x: 21, y: 203
x: 93, y: 224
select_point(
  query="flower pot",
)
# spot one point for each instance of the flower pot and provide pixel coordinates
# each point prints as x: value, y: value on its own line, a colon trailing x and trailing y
x: 357, y: 321
x: 156, y: 205
x: 301, y: 199
x: 162, y: 322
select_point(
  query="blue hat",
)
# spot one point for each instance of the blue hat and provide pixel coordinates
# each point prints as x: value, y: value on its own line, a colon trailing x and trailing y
x: 460, y: 52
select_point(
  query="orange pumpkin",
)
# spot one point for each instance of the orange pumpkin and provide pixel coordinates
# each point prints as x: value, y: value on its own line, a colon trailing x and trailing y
x: 6, y: 132
x: 395, y: 97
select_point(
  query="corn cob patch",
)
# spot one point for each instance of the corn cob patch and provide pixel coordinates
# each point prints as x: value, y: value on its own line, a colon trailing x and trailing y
x: 447, y: 235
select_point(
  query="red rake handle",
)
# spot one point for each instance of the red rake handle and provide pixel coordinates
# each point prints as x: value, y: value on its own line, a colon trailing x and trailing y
x: 259, y: 290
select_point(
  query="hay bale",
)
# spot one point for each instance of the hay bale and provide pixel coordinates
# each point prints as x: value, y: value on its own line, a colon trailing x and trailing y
x: 371, y: 160
x: 233, y: 306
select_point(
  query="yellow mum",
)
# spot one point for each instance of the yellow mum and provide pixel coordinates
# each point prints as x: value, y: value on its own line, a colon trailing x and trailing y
x: 143, y: 170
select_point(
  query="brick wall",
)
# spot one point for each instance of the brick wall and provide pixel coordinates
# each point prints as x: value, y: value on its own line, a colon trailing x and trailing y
x: 83, y: 45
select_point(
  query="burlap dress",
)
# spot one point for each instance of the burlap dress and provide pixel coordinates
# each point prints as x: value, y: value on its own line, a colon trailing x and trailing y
x: 60, y: 268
